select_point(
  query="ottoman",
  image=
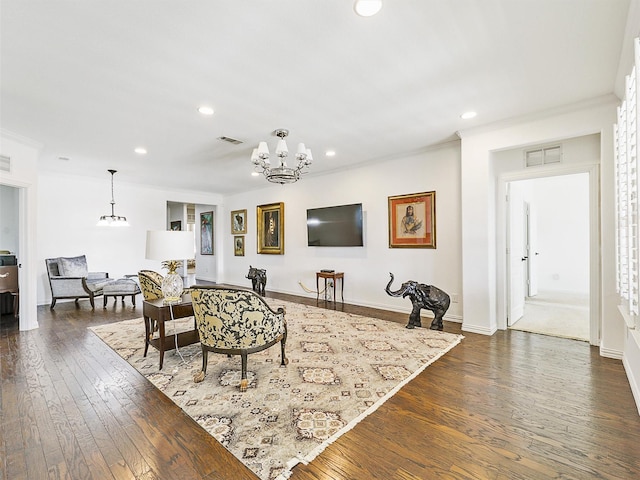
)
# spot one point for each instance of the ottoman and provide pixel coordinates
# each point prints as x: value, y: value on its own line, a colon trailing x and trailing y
x: 121, y: 288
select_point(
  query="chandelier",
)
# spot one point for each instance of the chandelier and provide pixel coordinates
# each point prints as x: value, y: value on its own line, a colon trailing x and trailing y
x: 112, y: 220
x: 281, y: 173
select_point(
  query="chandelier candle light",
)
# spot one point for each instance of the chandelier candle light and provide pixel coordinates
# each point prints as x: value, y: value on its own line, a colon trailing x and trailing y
x: 112, y: 220
x: 281, y: 173
x: 171, y: 247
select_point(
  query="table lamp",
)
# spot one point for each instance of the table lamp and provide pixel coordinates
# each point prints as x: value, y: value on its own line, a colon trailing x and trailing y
x: 171, y: 247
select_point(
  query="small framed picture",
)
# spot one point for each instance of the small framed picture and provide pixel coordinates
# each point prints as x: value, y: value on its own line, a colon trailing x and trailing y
x: 176, y: 226
x: 271, y: 228
x: 238, y: 222
x: 206, y: 233
x: 238, y: 246
x: 412, y: 220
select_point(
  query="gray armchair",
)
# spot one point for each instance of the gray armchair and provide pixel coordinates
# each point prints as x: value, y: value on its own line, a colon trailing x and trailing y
x: 70, y: 278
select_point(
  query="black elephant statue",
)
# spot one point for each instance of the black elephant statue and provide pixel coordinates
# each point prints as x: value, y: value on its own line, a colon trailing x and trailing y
x: 422, y: 296
x: 258, y: 277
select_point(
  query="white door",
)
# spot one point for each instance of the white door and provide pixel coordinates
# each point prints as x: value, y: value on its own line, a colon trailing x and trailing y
x: 515, y: 253
x: 532, y: 251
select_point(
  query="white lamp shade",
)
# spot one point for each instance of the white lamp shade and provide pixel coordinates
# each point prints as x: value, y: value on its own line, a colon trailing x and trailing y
x: 166, y: 245
x: 282, y: 147
x: 263, y: 149
x: 301, y: 149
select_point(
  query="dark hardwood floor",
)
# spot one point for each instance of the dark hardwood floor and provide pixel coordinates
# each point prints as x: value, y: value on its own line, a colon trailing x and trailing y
x: 511, y: 406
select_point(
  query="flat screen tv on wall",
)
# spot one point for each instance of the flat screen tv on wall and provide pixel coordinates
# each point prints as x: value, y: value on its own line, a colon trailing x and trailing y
x: 339, y: 226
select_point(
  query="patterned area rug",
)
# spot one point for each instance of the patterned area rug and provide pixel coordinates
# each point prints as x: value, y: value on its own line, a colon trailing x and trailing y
x: 342, y: 367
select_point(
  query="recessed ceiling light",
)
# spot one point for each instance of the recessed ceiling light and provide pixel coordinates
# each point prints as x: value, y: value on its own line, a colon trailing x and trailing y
x: 330, y: 153
x: 367, y: 8
x: 468, y: 115
x: 140, y: 151
x: 204, y: 110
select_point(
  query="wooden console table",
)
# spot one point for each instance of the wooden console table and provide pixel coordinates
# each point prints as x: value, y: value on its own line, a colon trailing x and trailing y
x: 330, y: 275
x: 156, y: 311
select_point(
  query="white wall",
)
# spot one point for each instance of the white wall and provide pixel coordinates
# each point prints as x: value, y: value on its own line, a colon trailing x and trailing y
x: 562, y: 205
x: 69, y: 207
x: 366, y: 268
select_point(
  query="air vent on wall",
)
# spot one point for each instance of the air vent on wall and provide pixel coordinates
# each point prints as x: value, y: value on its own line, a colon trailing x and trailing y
x: 5, y: 163
x: 230, y: 140
x: 543, y: 156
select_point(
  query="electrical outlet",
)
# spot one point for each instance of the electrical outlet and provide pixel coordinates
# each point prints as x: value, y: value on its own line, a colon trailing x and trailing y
x: 455, y: 298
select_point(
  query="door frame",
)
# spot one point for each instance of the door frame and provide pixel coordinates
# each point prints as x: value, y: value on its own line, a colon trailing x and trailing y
x: 27, y: 274
x: 593, y: 170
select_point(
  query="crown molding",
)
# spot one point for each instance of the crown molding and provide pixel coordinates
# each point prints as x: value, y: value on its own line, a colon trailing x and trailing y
x: 604, y: 100
x: 21, y: 139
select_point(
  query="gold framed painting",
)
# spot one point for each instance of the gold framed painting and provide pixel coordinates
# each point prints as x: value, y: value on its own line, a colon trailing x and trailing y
x: 238, y: 222
x: 271, y: 228
x: 238, y: 246
x: 412, y: 220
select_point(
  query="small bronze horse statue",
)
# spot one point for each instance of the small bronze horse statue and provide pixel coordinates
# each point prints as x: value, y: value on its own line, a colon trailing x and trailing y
x: 258, y: 277
x: 422, y: 296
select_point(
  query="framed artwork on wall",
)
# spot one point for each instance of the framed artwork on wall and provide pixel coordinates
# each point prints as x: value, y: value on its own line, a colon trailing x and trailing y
x: 176, y: 226
x: 206, y: 233
x: 412, y: 220
x: 238, y: 246
x: 238, y: 222
x: 271, y: 228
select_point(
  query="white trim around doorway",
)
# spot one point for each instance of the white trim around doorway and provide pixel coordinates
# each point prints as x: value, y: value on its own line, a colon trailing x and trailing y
x: 594, y: 240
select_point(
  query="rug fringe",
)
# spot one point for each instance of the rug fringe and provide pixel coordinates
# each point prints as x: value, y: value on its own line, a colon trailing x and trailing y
x: 320, y: 448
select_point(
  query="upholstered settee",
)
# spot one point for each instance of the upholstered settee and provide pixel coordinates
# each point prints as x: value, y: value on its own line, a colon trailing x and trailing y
x: 69, y: 278
x: 236, y: 322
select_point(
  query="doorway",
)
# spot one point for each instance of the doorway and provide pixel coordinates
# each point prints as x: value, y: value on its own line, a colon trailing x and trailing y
x: 548, y: 232
x: 9, y: 252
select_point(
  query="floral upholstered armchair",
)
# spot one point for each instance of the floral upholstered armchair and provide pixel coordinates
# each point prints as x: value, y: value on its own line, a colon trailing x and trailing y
x: 150, y: 284
x: 70, y: 278
x: 236, y: 322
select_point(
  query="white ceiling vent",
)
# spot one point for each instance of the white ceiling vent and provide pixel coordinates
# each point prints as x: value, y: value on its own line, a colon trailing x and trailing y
x: 543, y: 156
x: 5, y: 164
x: 230, y: 140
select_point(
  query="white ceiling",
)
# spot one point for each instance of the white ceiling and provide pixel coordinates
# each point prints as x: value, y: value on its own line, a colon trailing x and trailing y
x: 91, y: 80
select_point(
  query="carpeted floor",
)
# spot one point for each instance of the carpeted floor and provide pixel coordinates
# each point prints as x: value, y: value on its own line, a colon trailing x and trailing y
x: 341, y: 368
x: 557, y: 314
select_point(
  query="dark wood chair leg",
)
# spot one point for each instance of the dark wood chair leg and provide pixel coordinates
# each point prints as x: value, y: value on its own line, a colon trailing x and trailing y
x: 244, y: 383
x: 283, y: 359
